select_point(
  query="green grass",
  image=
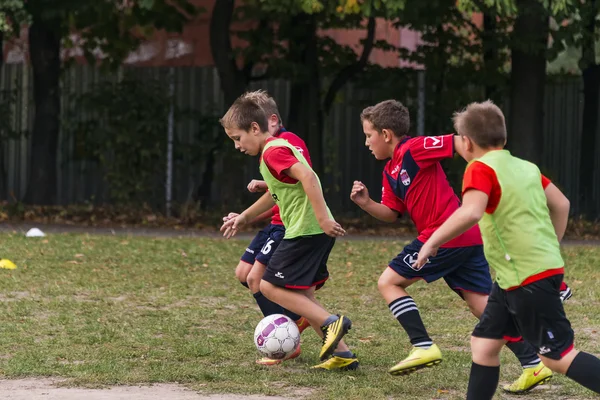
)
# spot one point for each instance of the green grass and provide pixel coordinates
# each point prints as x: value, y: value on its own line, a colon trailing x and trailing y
x: 105, y: 310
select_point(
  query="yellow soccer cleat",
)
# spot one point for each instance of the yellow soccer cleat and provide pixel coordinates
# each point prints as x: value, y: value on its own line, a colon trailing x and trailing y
x: 341, y: 363
x: 7, y: 264
x: 418, y: 359
x: 530, y: 378
x: 272, y: 361
x: 332, y: 334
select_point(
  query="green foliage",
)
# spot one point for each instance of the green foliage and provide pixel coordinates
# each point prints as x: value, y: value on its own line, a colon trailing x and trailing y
x: 124, y: 128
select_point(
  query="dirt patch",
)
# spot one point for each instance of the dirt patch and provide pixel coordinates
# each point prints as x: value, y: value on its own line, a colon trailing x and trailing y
x: 46, y: 389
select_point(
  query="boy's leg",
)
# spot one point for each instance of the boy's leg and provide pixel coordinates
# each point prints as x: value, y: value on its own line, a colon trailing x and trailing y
x: 392, y: 284
x: 485, y: 369
x: 496, y: 324
x: 539, y: 312
x: 473, y: 282
x: 241, y: 272
x: 298, y: 265
x: 247, y: 260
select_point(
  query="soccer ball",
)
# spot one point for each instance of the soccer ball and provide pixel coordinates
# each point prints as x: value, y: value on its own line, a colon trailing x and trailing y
x: 276, y: 336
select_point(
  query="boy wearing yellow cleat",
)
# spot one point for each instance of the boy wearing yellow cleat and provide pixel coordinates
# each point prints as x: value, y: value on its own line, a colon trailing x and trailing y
x: 414, y: 182
x: 299, y: 265
x: 522, y: 223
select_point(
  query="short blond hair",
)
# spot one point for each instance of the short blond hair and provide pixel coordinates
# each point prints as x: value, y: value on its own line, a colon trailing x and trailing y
x: 264, y: 99
x: 483, y: 123
x: 242, y: 113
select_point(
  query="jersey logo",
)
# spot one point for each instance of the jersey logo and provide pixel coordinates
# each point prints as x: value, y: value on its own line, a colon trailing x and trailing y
x: 300, y: 150
x: 275, y: 198
x: 405, y: 177
x: 433, y: 142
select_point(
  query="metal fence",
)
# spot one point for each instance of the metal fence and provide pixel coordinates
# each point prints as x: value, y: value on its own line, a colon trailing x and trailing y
x: 198, y: 89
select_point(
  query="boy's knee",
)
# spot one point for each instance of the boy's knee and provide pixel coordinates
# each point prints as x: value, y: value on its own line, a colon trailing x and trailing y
x: 254, y: 282
x: 559, y: 366
x: 383, y: 283
x: 486, y: 351
x: 265, y: 287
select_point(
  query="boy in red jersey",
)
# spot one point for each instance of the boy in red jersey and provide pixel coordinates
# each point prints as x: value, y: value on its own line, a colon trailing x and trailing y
x: 253, y: 262
x: 522, y: 218
x: 414, y: 182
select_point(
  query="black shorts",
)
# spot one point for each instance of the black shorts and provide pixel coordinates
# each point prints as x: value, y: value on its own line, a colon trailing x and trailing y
x: 533, y: 313
x: 300, y: 263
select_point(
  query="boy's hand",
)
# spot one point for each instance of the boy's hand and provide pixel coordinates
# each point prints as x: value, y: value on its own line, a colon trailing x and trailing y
x: 231, y: 226
x: 332, y: 228
x: 257, y: 186
x: 230, y: 216
x: 360, y: 194
x: 426, y: 251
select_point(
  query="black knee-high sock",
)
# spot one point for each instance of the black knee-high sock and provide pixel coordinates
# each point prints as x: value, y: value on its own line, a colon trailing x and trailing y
x: 406, y: 312
x: 483, y: 382
x: 525, y: 353
x: 585, y: 370
x: 245, y: 284
x: 268, y: 307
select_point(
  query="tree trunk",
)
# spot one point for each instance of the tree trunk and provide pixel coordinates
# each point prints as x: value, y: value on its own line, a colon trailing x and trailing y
x: 305, y: 117
x: 44, y: 47
x: 528, y: 78
x: 591, y: 97
x: 233, y: 80
x: 490, y: 53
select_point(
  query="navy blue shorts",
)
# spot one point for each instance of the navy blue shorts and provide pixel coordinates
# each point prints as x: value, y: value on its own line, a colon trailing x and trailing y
x: 264, y: 244
x: 463, y: 268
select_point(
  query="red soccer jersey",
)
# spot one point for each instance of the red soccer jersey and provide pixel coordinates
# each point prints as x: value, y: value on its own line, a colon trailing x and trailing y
x: 482, y: 177
x: 279, y: 159
x: 414, y: 181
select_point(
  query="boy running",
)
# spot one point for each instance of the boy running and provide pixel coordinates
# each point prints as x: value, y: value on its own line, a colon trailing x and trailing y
x: 414, y: 182
x: 522, y: 217
x: 253, y: 262
x: 299, y: 265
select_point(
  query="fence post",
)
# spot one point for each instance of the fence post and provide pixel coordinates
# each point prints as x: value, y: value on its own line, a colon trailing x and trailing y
x: 170, y: 133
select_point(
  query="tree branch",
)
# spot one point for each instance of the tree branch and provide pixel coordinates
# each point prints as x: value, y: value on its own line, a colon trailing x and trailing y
x: 250, y: 62
x: 350, y: 71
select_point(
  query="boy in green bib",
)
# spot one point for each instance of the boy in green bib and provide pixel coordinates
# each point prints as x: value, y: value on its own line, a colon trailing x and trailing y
x: 522, y: 217
x: 299, y: 265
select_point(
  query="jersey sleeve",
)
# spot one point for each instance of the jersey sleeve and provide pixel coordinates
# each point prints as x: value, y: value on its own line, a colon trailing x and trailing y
x: 480, y: 177
x: 427, y: 150
x: 298, y: 143
x: 279, y: 159
x: 545, y: 182
x: 389, y: 199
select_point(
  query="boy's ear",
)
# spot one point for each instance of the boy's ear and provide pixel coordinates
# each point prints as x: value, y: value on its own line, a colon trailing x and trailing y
x: 254, y: 128
x: 273, y: 120
x: 387, y: 135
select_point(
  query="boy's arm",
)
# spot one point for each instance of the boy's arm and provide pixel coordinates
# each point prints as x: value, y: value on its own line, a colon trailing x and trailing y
x: 313, y: 191
x: 360, y: 195
x: 264, y: 203
x: 559, y: 206
x: 467, y: 215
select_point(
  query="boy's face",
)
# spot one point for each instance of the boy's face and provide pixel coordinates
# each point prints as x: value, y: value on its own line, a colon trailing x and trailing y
x: 375, y: 141
x: 247, y: 142
x: 464, y: 147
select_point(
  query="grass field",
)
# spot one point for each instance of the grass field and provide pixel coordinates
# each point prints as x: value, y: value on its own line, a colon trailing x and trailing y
x: 109, y: 310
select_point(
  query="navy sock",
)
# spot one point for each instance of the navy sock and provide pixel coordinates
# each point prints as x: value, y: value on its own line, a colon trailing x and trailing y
x: 245, y: 284
x: 267, y: 306
x: 344, y: 354
x: 525, y: 353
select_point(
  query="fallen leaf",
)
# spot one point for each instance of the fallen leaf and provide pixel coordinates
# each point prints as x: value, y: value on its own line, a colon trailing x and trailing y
x: 79, y: 255
x: 349, y: 274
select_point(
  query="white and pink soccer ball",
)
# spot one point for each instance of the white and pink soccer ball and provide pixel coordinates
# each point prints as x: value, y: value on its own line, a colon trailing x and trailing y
x: 276, y: 336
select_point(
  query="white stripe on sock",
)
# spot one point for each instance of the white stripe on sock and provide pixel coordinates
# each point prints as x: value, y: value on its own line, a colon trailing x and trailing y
x: 424, y: 345
x: 405, y: 311
x: 397, y: 307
